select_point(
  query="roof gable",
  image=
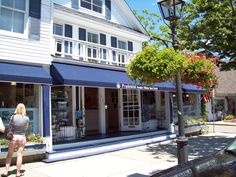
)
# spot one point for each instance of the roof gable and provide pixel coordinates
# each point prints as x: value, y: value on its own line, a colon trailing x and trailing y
x: 122, y: 14
x: 227, y: 83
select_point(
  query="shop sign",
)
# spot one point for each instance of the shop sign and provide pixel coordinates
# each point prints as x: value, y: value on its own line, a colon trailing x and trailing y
x: 140, y: 87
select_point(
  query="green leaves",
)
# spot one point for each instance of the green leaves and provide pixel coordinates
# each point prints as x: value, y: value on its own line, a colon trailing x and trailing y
x: 152, y: 65
x: 211, y: 29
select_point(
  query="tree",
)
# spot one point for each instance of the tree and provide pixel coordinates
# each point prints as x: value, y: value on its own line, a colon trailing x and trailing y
x: 206, y: 26
x: 210, y: 27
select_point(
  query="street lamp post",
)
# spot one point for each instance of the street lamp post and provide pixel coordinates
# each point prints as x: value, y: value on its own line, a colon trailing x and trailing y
x: 171, y: 11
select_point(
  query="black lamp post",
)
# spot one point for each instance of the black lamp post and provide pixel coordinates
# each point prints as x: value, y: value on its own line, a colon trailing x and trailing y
x: 171, y: 11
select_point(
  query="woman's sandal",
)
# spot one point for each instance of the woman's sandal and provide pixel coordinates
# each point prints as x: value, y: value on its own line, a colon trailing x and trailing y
x: 4, y: 175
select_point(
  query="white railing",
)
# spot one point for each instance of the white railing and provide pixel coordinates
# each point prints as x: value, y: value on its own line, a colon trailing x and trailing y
x: 69, y: 48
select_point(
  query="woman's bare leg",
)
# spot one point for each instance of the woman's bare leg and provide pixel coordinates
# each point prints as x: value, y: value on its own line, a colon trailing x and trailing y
x: 11, y: 148
x: 19, y: 160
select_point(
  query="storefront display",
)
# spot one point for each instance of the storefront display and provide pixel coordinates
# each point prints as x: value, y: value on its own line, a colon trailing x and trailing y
x: 62, y: 120
x: 189, y: 106
x: 13, y: 93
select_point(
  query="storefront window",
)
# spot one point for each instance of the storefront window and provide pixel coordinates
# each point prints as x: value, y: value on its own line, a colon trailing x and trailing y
x: 62, y: 119
x: 148, y: 106
x: 13, y: 93
x: 189, y: 106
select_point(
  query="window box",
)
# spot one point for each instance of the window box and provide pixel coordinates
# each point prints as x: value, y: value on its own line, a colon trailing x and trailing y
x: 29, y: 147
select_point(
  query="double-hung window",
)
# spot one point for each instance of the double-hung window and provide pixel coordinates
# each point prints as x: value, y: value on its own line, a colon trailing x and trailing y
x: 92, y: 51
x: 122, y: 45
x: 66, y: 31
x: 95, y: 5
x: 92, y: 37
x: 12, y: 15
x: 58, y: 30
x: 122, y: 56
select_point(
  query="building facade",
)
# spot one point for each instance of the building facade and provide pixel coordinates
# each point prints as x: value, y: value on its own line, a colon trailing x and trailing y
x: 66, y: 60
x: 223, y: 98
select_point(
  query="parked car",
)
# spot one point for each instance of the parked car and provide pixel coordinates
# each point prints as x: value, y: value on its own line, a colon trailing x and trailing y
x: 220, y: 164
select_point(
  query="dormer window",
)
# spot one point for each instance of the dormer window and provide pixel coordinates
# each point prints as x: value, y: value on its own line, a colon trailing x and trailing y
x: 95, y: 5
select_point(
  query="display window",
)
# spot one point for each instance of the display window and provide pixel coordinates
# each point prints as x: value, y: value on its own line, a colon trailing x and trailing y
x: 62, y: 118
x: 13, y: 93
x: 148, y: 106
x: 189, y: 106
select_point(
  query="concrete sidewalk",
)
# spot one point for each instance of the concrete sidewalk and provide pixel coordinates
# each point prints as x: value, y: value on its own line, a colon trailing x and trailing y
x: 134, y: 162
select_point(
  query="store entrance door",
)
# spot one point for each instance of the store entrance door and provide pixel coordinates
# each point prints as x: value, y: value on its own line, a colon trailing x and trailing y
x: 111, y: 103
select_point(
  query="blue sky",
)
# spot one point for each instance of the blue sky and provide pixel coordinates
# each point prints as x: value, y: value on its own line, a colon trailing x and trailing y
x: 151, y: 5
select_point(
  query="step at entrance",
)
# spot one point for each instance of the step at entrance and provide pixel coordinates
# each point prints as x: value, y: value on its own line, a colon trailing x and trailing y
x: 105, y: 146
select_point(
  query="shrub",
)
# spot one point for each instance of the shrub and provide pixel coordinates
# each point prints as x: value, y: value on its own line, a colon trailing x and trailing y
x: 34, y: 138
x: 3, y: 142
x: 229, y: 117
x: 192, y: 121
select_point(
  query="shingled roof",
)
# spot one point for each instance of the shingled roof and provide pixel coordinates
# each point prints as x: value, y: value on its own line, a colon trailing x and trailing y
x: 227, y: 83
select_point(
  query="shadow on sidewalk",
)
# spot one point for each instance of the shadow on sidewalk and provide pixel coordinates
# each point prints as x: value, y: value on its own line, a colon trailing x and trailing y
x: 198, y: 146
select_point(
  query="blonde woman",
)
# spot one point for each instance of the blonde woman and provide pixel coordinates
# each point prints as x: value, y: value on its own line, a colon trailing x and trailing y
x: 20, y: 125
x: 2, y: 127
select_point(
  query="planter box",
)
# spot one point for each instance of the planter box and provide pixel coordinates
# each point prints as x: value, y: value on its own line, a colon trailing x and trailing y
x: 29, y: 147
x: 191, y: 129
x: 32, y: 152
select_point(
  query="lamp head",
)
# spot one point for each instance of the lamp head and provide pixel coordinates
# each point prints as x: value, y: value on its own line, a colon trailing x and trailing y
x: 171, y: 9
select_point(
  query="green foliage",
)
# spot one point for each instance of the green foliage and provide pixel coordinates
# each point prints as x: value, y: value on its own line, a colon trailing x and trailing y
x: 191, y: 121
x: 229, y: 117
x: 29, y: 138
x: 206, y: 26
x: 34, y: 138
x: 153, y: 65
x: 152, y: 22
x: 204, y: 129
x: 200, y: 71
x: 203, y: 110
x: 4, y: 142
x: 209, y: 26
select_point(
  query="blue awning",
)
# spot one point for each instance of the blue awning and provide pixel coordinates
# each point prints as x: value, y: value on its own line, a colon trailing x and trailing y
x: 24, y: 73
x: 192, y: 88
x: 68, y: 74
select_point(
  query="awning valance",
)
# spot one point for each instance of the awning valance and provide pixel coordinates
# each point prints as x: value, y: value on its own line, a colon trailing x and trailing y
x: 10, y: 72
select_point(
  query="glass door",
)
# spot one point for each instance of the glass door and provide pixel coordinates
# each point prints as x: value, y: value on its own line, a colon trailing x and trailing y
x: 131, y: 118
